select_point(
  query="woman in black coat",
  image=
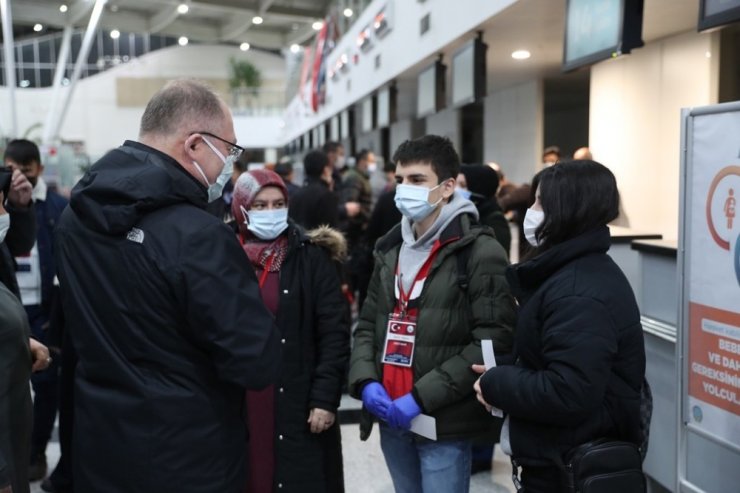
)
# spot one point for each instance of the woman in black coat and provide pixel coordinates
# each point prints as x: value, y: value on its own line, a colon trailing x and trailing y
x: 579, y: 344
x: 295, y: 443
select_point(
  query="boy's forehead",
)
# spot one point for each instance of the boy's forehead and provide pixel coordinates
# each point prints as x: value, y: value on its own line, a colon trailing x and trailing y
x: 415, y: 168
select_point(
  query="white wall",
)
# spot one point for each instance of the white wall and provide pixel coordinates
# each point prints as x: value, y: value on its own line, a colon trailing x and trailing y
x: 401, y: 49
x: 635, y: 124
x: 513, y: 128
x: 447, y: 124
x: 95, y: 118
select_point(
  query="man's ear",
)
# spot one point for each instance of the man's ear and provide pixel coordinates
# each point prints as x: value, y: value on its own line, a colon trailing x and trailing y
x: 191, y: 145
x: 448, y: 187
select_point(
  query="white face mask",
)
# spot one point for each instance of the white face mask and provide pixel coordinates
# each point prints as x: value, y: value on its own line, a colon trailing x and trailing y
x: 413, y: 201
x: 340, y: 162
x: 215, y: 189
x: 266, y: 225
x: 372, y: 167
x: 532, y: 220
x: 4, y: 226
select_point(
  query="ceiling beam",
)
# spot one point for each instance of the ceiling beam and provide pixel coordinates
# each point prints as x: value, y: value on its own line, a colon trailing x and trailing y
x: 236, y: 27
x: 163, y: 18
x: 78, y: 12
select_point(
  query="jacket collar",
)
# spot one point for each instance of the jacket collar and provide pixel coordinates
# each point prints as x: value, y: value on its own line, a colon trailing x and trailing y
x: 527, y: 276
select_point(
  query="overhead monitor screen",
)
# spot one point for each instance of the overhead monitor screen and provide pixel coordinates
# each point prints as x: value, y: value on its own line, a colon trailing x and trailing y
x: 463, y: 75
x: 426, y: 95
x: 714, y: 13
x: 384, y: 107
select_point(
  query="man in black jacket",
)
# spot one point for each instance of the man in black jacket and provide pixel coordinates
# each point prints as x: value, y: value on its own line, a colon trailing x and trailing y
x: 316, y: 204
x: 163, y: 308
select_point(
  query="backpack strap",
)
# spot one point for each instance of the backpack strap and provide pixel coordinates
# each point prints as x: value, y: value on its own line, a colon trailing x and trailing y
x: 463, y: 256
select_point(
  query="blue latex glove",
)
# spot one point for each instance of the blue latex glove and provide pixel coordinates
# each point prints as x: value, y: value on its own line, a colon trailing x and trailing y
x: 376, y: 400
x: 402, y: 411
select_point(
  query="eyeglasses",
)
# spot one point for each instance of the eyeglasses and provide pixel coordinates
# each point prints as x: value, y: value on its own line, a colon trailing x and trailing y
x: 234, y: 150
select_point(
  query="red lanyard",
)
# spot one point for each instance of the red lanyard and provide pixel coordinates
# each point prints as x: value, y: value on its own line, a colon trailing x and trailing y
x: 265, y: 272
x: 403, y: 297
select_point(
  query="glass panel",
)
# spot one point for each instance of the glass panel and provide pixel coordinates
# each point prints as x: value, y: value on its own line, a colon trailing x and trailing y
x: 47, y: 77
x: 138, y: 45
x: 45, y: 51
x: 124, y: 45
x: 92, y: 57
x: 76, y: 45
x: 107, y: 45
x: 155, y: 42
x: 27, y: 78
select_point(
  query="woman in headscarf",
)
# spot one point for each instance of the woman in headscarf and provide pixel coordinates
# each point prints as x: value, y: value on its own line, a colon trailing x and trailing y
x: 295, y: 443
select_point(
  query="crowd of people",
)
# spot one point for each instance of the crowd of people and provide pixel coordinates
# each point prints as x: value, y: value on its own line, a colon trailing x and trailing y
x: 197, y: 348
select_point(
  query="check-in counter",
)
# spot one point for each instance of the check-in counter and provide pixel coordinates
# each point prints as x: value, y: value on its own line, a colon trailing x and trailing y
x: 650, y: 266
x: 659, y: 307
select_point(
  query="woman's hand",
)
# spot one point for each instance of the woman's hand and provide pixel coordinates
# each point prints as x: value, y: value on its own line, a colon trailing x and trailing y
x: 480, y: 369
x: 320, y: 420
x: 40, y: 356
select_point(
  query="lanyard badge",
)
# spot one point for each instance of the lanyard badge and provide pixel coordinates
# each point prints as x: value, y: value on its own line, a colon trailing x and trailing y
x: 400, y: 339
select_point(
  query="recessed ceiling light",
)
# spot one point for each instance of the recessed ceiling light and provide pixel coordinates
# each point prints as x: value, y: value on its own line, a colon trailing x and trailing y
x: 183, y: 8
x: 182, y: 41
x: 114, y: 8
x: 38, y: 27
x: 294, y: 48
x: 244, y: 46
x: 63, y: 8
x: 25, y: 83
x: 348, y: 12
x: 115, y: 34
x: 521, y: 55
x: 257, y: 20
x: 317, y: 25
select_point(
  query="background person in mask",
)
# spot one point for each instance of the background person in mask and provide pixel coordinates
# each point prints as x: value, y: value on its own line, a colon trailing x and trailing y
x: 295, y: 438
x: 579, y: 343
x: 35, y: 275
x: 480, y: 184
x: 421, y: 326
x: 162, y: 306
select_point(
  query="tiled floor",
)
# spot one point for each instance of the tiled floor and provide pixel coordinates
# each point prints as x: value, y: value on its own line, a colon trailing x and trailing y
x: 364, y: 467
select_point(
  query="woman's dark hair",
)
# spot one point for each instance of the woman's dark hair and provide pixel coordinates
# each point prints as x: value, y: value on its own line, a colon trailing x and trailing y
x: 576, y: 197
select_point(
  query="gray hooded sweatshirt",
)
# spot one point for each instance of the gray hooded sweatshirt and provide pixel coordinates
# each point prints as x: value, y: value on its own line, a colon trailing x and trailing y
x: 414, y: 252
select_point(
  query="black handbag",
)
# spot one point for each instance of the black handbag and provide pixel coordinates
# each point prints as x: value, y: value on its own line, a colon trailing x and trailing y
x: 605, y: 466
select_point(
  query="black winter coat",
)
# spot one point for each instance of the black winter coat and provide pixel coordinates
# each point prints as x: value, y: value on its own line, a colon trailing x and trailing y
x: 19, y: 240
x: 165, y: 314
x: 313, y: 320
x: 580, y: 349
x: 315, y: 205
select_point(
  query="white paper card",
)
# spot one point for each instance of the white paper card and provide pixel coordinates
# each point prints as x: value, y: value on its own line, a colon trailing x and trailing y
x: 489, y: 359
x: 425, y: 426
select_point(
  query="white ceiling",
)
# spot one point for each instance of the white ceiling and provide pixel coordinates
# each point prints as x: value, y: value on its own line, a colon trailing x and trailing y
x: 539, y: 27
x: 285, y: 21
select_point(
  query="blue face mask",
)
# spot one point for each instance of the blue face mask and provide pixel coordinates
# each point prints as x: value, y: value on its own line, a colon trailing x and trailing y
x: 413, y: 201
x: 216, y: 189
x: 464, y: 193
x: 266, y: 225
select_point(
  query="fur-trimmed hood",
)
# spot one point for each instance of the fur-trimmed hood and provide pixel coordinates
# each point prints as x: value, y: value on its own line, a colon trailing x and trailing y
x: 330, y: 239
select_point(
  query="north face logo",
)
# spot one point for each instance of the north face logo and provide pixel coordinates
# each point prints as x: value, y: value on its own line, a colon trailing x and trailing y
x: 135, y: 235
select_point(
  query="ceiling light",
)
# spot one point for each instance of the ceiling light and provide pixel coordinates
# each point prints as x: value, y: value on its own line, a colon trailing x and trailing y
x: 183, y: 8
x: 317, y: 25
x: 65, y: 81
x: 294, y: 48
x: 182, y: 41
x: 25, y: 83
x: 348, y: 12
x: 38, y: 27
x: 244, y: 46
x: 63, y: 8
x: 257, y: 20
x: 115, y: 34
x: 114, y: 8
x: 521, y: 55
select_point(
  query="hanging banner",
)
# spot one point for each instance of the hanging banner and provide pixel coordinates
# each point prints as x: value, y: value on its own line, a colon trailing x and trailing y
x: 712, y: 274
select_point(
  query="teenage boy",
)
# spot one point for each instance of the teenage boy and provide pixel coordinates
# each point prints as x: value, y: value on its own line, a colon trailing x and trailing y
x: 437, y: 290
